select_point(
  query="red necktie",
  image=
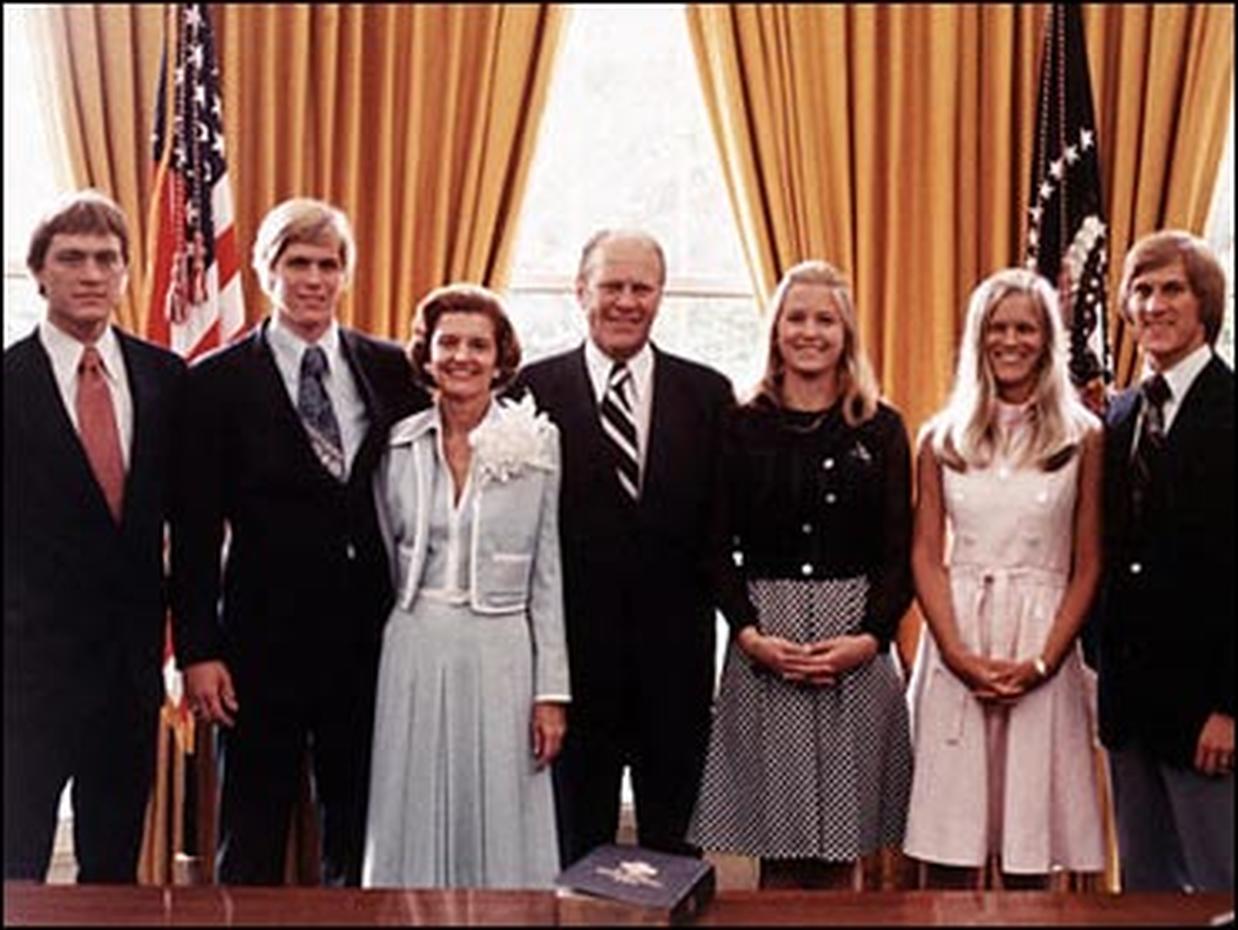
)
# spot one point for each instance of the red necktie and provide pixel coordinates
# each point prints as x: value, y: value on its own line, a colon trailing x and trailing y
x: 96, y: 421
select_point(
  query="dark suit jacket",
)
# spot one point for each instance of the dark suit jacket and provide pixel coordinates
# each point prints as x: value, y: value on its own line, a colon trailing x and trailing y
x: 306, y: 587
x: 1167, y: 632
x: 78, y: 588
x: 638, y: 577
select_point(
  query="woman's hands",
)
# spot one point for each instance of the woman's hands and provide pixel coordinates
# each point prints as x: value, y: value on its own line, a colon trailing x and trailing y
x: 995, y: 681
x: 549, y: 725
x: 817, y: 663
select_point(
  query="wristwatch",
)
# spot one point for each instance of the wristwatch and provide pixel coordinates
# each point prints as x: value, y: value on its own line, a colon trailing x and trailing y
x: 1042, y: 667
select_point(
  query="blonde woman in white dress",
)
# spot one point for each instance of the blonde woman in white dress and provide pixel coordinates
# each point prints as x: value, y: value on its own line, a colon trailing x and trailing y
x: 1006, y: 557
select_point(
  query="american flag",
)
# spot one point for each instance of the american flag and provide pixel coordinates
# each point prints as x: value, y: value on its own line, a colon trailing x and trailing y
x: 195, y: 301
x: 1067, y: 238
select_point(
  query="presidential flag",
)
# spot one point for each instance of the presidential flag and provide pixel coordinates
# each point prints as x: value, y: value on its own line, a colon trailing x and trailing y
x: 194, y: 299
x: 1067, y: 237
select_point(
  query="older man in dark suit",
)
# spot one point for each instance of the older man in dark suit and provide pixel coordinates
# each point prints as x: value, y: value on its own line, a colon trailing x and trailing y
x: 88, y: 419
x: 1167, y: 635
x: 641, y: 434
x: 280, y: 641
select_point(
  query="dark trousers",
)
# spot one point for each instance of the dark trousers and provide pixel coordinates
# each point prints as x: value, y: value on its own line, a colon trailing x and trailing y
x: 666, y: 756
x: 106, y: 744
x: 260, y: 763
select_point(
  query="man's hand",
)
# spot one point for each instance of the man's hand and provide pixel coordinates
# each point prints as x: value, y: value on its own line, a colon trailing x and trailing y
x: 1214, y: 753
x: 208, y: 686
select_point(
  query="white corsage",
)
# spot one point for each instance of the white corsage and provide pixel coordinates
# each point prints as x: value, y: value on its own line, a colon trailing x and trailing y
x: 515, y: 437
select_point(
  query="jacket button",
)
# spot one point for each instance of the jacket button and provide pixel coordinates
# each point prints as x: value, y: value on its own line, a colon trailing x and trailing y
x: 831, y: 497
x: 806, y: 568
x: 351, y: 551
x: 827, y: 464
x: 807, y: 527
x: 1136, y: 568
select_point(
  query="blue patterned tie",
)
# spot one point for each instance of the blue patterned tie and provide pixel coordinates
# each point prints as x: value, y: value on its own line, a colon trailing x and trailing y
x: 1149, y: 453
x: 314, y: 405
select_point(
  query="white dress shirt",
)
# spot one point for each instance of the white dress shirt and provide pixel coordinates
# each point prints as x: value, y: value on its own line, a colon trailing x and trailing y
x: 65, y: 353
x: 341, y: 386
x: 641, y: 367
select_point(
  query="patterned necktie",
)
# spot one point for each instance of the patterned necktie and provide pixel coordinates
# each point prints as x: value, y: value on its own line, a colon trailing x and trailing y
x: 314, y: 405
x: 96, y: 423
x: 1150, y: 447
x: 619, y: 427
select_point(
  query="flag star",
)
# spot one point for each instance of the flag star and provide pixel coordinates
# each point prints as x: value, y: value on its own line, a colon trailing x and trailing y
x: 1072, y: 154
x: 196, y: 56
x: 1056, y: 169
x: 1036, y: 213
x: 1085, y: 139
x: 1046, y: 190
x: 199, y: 95
x: 1030, y: 264
x: 193, y: 16
x: 1033, y: 237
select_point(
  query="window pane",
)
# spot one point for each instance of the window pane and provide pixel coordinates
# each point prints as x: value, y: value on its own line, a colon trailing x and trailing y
x: 625, y: 141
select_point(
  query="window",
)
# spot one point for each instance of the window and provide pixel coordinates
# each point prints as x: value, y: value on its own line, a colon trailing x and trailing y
x: 626, y: 141
x: 29, y: 182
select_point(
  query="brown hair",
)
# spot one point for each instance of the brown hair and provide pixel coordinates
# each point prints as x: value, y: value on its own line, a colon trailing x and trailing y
x: 464, y: 298
x: 1203, y: 272
x: 86, y: 211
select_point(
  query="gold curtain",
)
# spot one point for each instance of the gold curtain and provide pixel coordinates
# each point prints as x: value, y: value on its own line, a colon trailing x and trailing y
x: 97, y: 68
x: 417, y: 120
x: 896, y: 142
x: 1162, y: 81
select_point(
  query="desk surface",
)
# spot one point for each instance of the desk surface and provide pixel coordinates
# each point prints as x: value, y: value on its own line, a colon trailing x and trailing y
x: 213, y: 905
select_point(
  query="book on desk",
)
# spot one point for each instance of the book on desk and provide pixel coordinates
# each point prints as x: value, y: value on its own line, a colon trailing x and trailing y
x: 677, y: 886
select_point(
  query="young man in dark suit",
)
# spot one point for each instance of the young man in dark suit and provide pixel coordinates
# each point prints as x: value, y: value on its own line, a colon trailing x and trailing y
x: 1167, y: 635
x: 641, y: 432
x: 280, y: 641
x: 88, y: 422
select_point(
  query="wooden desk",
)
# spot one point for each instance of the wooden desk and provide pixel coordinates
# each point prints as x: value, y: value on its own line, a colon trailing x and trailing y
x: 26, y: 904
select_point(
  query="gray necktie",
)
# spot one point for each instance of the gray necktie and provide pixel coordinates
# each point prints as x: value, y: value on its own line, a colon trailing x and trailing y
x: 314, y: 405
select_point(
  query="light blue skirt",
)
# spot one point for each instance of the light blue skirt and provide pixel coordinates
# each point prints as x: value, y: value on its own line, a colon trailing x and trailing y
x: 455, y: 799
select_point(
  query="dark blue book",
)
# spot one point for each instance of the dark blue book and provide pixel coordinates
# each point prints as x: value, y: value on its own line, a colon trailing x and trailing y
x: 678, y: 886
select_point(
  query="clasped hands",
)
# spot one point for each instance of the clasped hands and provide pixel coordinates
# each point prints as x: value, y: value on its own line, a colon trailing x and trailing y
x: 819, y: 663
x: 994, y: 681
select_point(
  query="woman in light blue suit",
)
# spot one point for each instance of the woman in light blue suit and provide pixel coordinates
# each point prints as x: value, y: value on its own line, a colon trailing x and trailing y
x: 473, y: 678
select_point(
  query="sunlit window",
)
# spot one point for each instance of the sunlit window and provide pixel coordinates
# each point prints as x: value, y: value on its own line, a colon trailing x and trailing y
x: 626, y: 141
x: 29, y: 183
x: 1220, y: 232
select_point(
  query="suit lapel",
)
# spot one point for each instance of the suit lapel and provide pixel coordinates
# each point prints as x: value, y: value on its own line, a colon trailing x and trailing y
x: 270, y: 384
x: 142, y: 398
x: 57, y: 430
x: 583, y: 427
x: 375, y: 433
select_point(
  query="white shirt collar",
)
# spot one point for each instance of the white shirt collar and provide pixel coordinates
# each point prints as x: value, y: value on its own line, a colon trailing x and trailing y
x: 65, y: 352
x: 290, y: 346
x: 600, y: 364
x: 1182, y: 375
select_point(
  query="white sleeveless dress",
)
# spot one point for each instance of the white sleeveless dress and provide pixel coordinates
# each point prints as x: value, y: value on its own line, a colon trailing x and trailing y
x: 1018, y: 781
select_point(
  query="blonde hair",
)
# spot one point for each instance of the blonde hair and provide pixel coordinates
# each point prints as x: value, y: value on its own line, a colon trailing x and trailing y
x: 301, y: 219
x: 857, y: 385
x: 965, y: 433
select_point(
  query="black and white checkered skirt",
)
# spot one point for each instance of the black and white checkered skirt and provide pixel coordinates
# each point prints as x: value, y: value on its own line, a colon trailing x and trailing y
x: 798, y: 771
